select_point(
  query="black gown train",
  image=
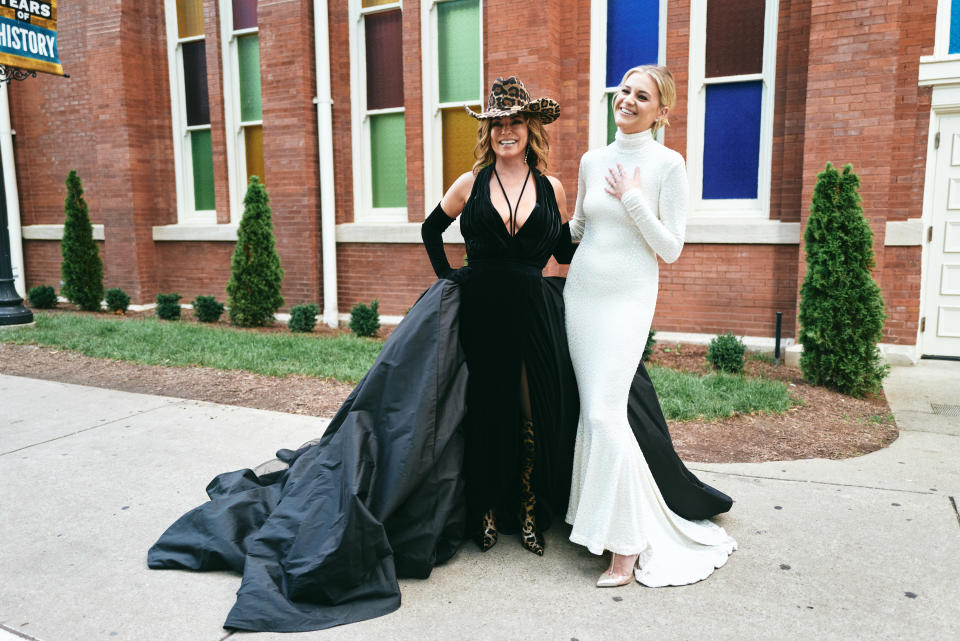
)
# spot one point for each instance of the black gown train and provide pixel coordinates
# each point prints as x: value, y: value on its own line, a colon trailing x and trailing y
x: 384, y: 493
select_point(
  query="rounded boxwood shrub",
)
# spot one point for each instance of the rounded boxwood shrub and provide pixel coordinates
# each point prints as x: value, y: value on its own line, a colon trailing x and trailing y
x: 207, y: 309
x: 117, y: 300
x: 168, y: 306
x: 42, y: 297
x: 726, y: 352
x: 365, y: 319
x: 303, y: 318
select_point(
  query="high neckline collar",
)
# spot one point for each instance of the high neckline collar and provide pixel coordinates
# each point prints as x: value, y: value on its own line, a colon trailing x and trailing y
x: 634, y: 141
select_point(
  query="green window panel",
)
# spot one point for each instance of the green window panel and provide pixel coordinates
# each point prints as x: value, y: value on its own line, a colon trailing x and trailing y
x: 248, y: 53
x: 202, y: 152
x: 611, y: 123
x: 388, y: 160
x: 458, y: 46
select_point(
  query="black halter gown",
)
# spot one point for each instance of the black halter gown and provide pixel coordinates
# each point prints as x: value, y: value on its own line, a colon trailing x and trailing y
x: 321, y: 539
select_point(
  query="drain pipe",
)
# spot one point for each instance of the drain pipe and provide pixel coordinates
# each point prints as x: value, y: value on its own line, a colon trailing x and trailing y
x: 10, y: 192
x: 328, y: 221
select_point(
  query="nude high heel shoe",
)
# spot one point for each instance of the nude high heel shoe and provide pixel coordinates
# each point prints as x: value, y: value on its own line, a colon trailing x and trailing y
x: 610, y: 580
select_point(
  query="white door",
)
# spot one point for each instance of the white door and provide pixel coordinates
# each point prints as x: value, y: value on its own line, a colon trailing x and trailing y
x: 941, y: 305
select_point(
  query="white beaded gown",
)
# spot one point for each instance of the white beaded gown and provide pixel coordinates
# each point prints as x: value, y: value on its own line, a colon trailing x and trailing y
x: 610, y: 296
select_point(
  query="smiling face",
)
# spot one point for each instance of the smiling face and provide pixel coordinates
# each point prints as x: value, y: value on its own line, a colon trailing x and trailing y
x: 508, y: 136
x: 637, y: 105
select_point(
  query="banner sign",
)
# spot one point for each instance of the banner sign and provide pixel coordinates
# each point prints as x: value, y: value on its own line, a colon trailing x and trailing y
x: 28, y: 35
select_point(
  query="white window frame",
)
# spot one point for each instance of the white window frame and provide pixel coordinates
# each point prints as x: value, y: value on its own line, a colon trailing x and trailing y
x: 187, y: 214
x: 236, y: 147
x: 432, y: 114
x: 363, y: 209
x: 744, y: 208
x: 599, y: 94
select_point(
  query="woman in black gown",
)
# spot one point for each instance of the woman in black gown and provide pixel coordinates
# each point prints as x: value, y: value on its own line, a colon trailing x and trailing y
x: 511, y: 219
x: 421, y: 443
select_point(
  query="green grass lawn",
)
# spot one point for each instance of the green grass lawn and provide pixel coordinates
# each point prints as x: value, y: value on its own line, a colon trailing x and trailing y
x: 155, y: 342
x: 346, y: 358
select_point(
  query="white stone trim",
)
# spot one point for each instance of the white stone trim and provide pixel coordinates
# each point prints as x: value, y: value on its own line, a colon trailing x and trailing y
x: 226, y: 233
x: 393, y: 233
x: 904, y: 233
x: 939, y: 70
x: 895, y: 355
x: 741, y: 232
x: 53, y: 232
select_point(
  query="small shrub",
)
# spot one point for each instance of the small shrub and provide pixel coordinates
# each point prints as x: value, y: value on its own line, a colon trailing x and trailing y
x: 726, y: 352
x: 42, y: 297
x: 117, y: 300
x: 648, y: 348
x: 303, y: 318
x: 253, y: 291
x: 81, y: 269
x: 365, y: 319
x: 207, y: 309
x: 168, y: 306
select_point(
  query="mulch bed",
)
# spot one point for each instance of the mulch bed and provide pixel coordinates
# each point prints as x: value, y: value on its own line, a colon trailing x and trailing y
x: 825, y: 425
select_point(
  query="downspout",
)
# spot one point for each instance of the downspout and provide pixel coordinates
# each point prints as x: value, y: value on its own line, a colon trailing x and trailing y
x: 10, y: 192
x: 328, y: 221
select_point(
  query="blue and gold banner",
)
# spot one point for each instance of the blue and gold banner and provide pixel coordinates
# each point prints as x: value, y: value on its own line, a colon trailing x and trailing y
x: 28, y: 35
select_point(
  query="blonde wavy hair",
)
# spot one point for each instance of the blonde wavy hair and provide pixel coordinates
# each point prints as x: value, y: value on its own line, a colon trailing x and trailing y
x: 538, y: 145
x: 665, y: 84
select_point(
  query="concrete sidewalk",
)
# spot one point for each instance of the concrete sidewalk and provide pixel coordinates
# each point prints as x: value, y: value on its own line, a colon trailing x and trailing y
x: 862, y: 549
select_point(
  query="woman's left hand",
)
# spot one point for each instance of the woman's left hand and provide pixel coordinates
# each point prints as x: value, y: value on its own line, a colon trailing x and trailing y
x: 619, y: 182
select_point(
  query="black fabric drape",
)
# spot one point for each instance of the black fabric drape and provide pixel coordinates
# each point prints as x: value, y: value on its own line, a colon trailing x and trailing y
x: 381, y: 494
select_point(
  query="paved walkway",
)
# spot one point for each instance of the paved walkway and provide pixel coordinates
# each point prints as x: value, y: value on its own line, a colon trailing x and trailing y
x: 862, y: 549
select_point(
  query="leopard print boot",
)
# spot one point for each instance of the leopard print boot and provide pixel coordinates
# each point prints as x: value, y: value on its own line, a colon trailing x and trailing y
x: 530, y: 536
x: 486, y: 536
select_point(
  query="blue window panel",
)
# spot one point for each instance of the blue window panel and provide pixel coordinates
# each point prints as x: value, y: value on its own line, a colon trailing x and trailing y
x: 731, y: 140
x: 633, y: 36
x: 954, y: 27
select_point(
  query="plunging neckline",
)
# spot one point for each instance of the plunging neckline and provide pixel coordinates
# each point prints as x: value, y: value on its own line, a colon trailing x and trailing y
x: 503, y: 224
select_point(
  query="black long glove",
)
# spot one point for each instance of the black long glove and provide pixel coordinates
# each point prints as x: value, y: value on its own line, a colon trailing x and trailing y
x: 565, y: 247
x: 432, y: 233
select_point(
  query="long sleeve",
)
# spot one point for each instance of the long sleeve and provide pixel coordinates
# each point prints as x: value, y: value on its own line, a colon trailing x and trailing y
x: 578, y: 220
x: 665, y: 233
x: 431, y: 231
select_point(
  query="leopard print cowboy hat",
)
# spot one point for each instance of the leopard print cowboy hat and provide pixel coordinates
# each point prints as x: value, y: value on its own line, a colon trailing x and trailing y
x: 509, y: 96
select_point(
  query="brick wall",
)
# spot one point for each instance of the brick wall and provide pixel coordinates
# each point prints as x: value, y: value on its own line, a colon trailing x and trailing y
x: 845, y: 91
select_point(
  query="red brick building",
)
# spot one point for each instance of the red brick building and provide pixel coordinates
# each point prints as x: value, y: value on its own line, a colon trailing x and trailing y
x: 351, y: 111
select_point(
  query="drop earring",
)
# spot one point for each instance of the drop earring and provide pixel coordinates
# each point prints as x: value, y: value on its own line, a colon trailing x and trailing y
x: 526, y: 155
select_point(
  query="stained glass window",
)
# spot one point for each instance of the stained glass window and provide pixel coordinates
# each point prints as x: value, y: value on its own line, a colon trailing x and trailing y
x: 731, y: 141
x: 244, y: 14
x: 388, y: 160
x: 202, y: 152
x: 458, y: 47
x: 954, y: 27
x: 459, y: 139
x: 189, y: 18
x: 248, y: 67
x: 384, y: 49
x: 734, y: 37
x: 633, y: 36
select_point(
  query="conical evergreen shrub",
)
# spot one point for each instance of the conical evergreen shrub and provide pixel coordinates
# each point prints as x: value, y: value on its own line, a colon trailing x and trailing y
x: 841, y: 310
x: 81, y: 269
x: 253, y: 292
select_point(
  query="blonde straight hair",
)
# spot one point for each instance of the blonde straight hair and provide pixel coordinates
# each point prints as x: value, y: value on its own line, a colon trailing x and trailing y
x: 665, y: 84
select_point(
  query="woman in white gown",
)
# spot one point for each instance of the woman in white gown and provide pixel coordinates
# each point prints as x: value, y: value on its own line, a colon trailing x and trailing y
x: 631, y: 207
